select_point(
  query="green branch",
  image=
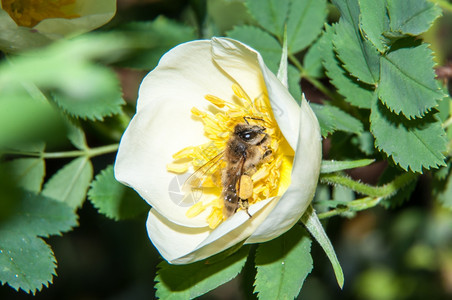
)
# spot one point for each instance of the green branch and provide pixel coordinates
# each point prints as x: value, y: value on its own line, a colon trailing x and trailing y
x: 317, y: 84
x: 355, y: 205
x: 90, y: 152
x: 365, y: 189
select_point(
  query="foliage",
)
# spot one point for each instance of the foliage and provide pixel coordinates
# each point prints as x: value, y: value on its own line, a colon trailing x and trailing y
x: 62, y: 112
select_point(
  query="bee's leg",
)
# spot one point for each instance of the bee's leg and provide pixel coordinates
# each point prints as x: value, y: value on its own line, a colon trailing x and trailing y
x: 267, y: 153
x: 251, y: 118
x: 243, y: 203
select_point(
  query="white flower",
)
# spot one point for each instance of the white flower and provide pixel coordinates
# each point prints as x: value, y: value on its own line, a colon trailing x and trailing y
x: 189, y: 104
x: 32, y: 23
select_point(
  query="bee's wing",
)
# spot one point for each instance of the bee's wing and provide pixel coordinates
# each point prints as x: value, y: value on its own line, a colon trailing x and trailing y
x: 192, y: 187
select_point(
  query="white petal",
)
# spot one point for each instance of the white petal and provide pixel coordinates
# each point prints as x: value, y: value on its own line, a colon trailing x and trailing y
x: 246, y: 66
x: 305, y: 173
x: 164, y: 125
x: 240, y: 62
x: 182, y: 245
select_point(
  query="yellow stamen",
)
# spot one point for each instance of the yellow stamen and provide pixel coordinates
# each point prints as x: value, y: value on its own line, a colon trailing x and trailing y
x: 29, y: 13
x: 186, y: 152
x: 239, y: 92
x: 177, y: 168
x: 215, y: 101
x: 195, y: 210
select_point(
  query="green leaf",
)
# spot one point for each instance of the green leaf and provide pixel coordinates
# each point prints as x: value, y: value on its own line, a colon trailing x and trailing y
x: 315, y: 228
x: 349, y: 10
x: 354, y: 92
x: 150, y: 40
x: 25, y: 120
x: 223, y: 15
x: 113, y: 199
x: 41, y: 216
x: 374, y: 21
x: 294, y: 83
x: 407, y: 83
x: 412, y: 17
x: 26, y: 262
x: 283, y: 265
x: 70, y: 183
x: 412, y: 144
x: 312, y: 61
x: 332, y: 118
x: 193, y: 280
x: 270, y: 14
x: 76, y: 135
x: 27, y: 173
x: 330, y: 166
x: 92, y: 103
x: 304, y: 23
x: 268, y: 46
x: 359, y: 56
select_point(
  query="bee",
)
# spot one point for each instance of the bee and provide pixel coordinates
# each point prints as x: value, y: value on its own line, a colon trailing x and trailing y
x: 248, y: 146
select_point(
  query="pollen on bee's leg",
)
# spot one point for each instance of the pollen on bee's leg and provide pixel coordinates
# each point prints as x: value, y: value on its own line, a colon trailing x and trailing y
x: 195, y: 210
x: 246, y: 187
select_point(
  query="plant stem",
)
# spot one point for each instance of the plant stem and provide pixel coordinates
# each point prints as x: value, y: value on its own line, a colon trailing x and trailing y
x: 447, y: 123
x: 364, y: 189
x: 355, y: 205
x: 317, y: 84
x: 90, y: 152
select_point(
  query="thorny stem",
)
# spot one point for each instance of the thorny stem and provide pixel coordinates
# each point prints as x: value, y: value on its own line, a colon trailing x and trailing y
x: 355, y: 205
x: 365, y: 189
x: 89, y: 152
x: 375, y: 193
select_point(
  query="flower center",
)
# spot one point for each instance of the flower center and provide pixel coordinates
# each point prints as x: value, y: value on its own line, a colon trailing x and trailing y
x: 28, y: 13
x: 221, y: 167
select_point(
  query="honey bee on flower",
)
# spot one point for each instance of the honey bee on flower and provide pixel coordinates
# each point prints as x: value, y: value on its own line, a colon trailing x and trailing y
x: 208, y: 108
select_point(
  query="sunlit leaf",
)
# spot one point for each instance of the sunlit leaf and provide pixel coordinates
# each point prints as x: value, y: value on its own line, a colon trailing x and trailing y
x: 359, y: 56
x: 374, y: 21
x: 412, y: 17
x: 26, y: 262
x: 414, y: 144
x: 113, y: 199
x: 315, y: 228
x: 304, y: 23
x: 354, y: 92
x: 268, y: 46
x: 270, y: 14
x: 27, y: 173
x: 70, y: 183
x: 330, y: 166
x: 312, y: 61
x: 407, y: 83
x: 283, y: 265
x: 332, y: 118
x: 193, y: 280
x: 148, y: 41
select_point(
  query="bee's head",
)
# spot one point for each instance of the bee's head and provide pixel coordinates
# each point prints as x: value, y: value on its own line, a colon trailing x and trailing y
x: 250, y: 134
